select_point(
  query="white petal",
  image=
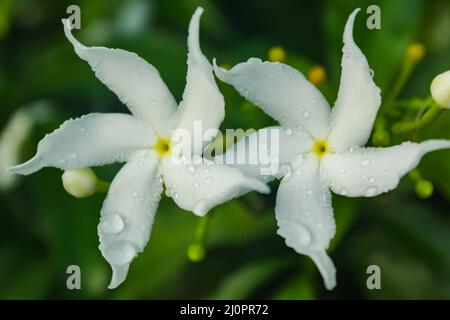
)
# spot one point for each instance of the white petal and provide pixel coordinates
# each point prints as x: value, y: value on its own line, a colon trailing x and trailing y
x: 202, y: 101
x: 305, y: 215
x: 92, y: 140
x: 282, y: 92
x: 265, y: 153
x: 128, y: 213
x: 200, y: 187
x: 136, y: 82
x: 358, y: 98
x: 367, y: 172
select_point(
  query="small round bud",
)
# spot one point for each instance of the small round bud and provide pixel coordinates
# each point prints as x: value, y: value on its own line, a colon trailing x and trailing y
x: 80, y: 183
x: 440, y: 89
x: 424, y: 189
x: 196, y: 252
x: 415, y: 52
x: 317, y: 75
x: 276, y: 54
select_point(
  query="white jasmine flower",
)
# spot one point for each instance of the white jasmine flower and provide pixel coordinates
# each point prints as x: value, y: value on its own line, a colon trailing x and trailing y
x: 143, y: 141
x: 322, y: 148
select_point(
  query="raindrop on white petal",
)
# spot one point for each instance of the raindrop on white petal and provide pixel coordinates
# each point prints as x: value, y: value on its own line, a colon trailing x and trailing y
x: 111, y: 223
x: 287, y: 171
x: 305, y: 114
x: 196, y: 185
x: 308, y: 213
x: 384, y: 173
x: 351, y: 149
x: 299, y: 127
x: 208, y: 181
x: 342, y: 170
x: 288, y: 131
x: 153, y: 102
x: 298, y: 172
x: 371, y: 191
x: 175, y: 196
x: 371, y: 73
x: 72, y: 156
x: 191, y: 168
x: 343, y: 191
x: 372, y: 179
x: 365, y: 162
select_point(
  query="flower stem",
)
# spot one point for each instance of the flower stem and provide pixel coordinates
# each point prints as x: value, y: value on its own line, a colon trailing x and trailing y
x: 196, y: 251
x: 102, y: 186
x: 429, y: 117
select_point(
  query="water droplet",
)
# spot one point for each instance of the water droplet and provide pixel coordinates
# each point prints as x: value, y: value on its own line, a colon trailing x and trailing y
x: 372, y: 179
x: 200, y: 208
x: 287, y: 171
x: 72, y: 156
x: 313, y: 100
x: 371, y: 191
x: 351, y: 149
x: 319, y: 225
x: 384, y: 173
x: 208, y: 181
x: 196, y: 185
x: 298, y: 172
x: 343, y: 191
x: 111, y: 223
x: 120, y: 253
x: 160, y: 180
x: 153, y: 102
x: 308, y: 213
x: 299, y: 127
x: 305, y: 114
x: 288, y: 131
x: 175, y: 196
x: 342, y: 170
x: 206, y: 170
x: 371, y: 73
x: 365, y: 162
x: 191, y: 168
x: 135, y: 194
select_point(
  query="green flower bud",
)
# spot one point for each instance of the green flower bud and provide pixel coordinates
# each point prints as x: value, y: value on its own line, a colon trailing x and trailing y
x: 440, y: 89
x: 196, y: 252
x: 424, y: 189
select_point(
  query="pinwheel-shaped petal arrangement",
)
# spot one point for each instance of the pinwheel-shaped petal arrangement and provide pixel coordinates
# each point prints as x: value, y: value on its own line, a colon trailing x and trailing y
x: 144, y: 141
x: 322, y: 148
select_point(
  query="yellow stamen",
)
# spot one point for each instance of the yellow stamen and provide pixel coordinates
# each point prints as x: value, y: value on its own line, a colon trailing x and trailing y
x: 320, y: 148
x: 162, y: 146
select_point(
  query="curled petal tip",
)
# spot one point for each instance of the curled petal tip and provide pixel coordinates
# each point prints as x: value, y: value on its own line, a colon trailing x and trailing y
x: 26, y: 168
x: 348, y: 31
x: 119, y: 275
x: 326, y: 268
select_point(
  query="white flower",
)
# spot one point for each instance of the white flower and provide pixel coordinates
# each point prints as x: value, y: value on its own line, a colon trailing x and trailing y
x: 440, y: 89
x: 143, y: 141
x: 322, y: 148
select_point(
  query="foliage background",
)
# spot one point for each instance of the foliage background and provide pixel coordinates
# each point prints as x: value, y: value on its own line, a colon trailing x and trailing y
x: 43, y: 229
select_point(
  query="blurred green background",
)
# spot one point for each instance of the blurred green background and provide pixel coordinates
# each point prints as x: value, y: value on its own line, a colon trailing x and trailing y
x: 42, y: 82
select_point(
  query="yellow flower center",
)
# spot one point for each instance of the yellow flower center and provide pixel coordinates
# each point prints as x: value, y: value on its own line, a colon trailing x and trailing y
x: 162, y: 146
x: 320, y: 148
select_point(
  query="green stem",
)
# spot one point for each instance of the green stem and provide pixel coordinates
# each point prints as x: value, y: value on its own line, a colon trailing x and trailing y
x: 429, y: 117
x: 102, y: 186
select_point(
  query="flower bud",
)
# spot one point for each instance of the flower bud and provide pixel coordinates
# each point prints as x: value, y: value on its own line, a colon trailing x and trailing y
x: 276, y: 54
x: 415, y: 52
x: 317, y: 75
x: 440, y: 89
x: 196, y: 252
x: 80, y: 183
x: 424, y: 189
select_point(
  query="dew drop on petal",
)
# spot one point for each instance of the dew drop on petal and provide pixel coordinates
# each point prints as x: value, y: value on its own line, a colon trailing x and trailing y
x: 191, y: 168
x: 111, y: 223
x: 343, y: 191
x: 365, y: 162
x: 372, y: 179
x: 287, y: 171
x: 371, y: 191
x: 305, y: 114
x: 208, y: 181
x: 288, y: 131
x: 196, y: 185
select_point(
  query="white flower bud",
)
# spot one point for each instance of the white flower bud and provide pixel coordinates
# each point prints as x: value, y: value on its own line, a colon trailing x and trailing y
x: 440, y: 89
x: 80, y: 183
